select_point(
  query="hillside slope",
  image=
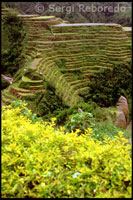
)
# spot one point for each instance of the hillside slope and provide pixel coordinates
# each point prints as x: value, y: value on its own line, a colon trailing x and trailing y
x: 67, y: 55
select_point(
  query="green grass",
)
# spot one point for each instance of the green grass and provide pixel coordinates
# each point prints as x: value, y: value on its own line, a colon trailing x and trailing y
x: 8, y: 95
x: 107, y: 128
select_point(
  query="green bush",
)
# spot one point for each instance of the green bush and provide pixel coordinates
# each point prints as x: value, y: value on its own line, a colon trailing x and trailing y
x: 100, y: 114
x: 80, y: 121
x: 106, y: 87
x: 25, y: 111
x: 105, y: 129
x: 47, y: 103
x: 100, y: 128
x: 39, y: 161
x: 13, y: 59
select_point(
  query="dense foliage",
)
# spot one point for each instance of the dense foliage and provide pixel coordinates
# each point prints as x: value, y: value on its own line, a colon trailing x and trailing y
x: 80, y: 121
x: 40, y: 161
x: 100, y: 114
x: 46, y: 103
x: 101, y: 120
x: 13, y: 56
x: 107, y: 86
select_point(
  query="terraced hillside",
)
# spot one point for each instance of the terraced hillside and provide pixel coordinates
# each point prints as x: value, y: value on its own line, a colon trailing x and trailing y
x: 67, y: 55
x: 23, y: 89
x: 5, y: 11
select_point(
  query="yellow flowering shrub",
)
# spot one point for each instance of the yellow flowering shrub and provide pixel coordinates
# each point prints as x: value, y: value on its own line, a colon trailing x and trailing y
x: 40, y: 161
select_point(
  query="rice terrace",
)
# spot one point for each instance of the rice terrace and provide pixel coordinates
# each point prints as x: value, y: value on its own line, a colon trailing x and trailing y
x: 66, y: 102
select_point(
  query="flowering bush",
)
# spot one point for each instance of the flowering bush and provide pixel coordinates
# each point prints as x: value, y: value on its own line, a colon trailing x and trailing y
x: 39, y: 161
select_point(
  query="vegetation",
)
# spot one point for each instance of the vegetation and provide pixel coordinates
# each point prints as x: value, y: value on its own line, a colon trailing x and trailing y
x: 4, y: 43
x: 90, y: 107
x: 66, y: 67
x: 40, y: 161
x: 106, y: 87
x: 13, y: 56
x: 59, y: 137
x: 48, y: 102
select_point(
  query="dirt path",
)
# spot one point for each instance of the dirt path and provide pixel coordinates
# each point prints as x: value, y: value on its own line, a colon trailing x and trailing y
x: 35, y: 62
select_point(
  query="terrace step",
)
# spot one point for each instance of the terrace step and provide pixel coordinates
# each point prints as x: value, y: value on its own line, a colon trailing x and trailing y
x: 44, y: 38
x: 53, y: 76
x: 20, y: 92
x: 90, y: 68
x: 70, y: 28
x: 90, y: 37
x: 7, y: 100
x: 64, y: 41
x: 82, y: 30
x: 25, y: 95
x: 79, y: 82
x: 35, y: 32
x: 81, y: 89
x: 8, y: 95
x: 82, y: 46
x: 26, y: 79
x: 95, y: 33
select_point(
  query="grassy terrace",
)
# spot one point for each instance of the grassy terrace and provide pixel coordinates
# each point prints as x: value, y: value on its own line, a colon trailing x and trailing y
x: 86, y: 32
x: 79, y: 43
x: 16, y: 87
x: 64, y: 29
x: 7, y: 96
x: 18, y: 90
x: 37, y: 31
x: 5, y: 11
x: 69, y: 54
x: 90, y: 36
x: 76, y: 60
x: 57, y: 79
x: 80, y: 57
x: 26, y: 79
x: 27, y: 83
x: 82, y: 31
